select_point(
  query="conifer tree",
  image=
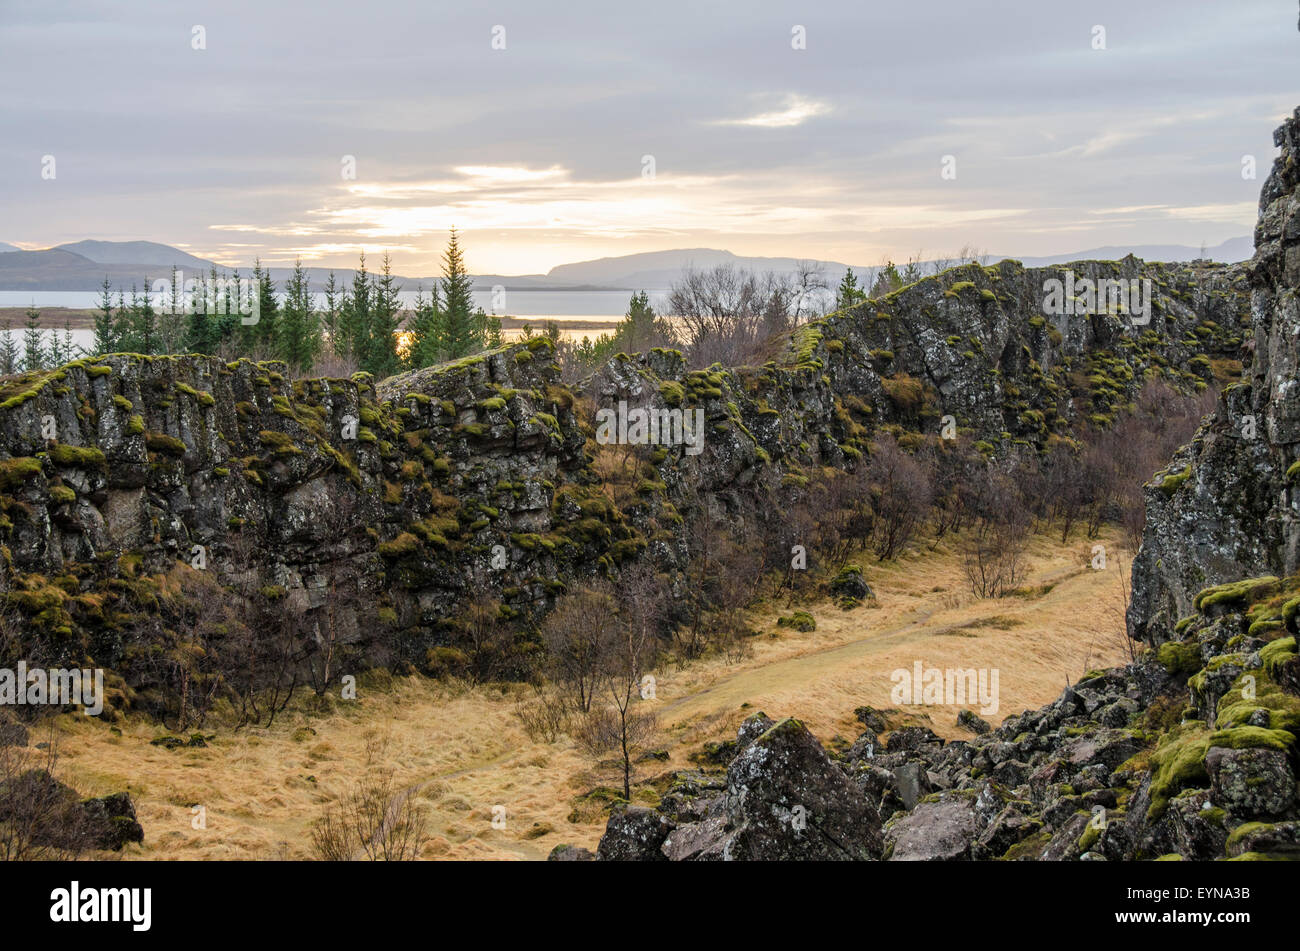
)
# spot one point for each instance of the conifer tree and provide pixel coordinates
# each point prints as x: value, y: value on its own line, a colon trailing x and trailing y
x: 463, y: 328
x: 425, y: 331
x: 298, y: 337
x: 355, y: 316
x: 380, y: 354
x: 144, y: 322
x: 33, y: 343
x: 105, y: 322
x: 849, y: 293
x: 329, y: 317
x: 10, y: 362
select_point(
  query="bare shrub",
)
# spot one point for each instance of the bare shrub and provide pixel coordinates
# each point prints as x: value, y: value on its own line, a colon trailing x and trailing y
x: 40, y: 818
x: 994, y: 546
x: 725, y: 314
x: 377, y: 820
x: 578, y: 637
x: 901, y: 496
x: 545, y: 715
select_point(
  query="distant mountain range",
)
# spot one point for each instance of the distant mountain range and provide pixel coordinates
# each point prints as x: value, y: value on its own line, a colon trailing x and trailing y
x: 82, y: 266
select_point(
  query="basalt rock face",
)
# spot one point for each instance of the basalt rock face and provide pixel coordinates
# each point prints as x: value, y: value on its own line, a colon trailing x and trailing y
x: 1190, y: 752
x: 377, y: 512
x: 1226, y: 506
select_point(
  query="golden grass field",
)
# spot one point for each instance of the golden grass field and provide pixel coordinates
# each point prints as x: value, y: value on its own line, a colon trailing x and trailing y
x: 462, y: 751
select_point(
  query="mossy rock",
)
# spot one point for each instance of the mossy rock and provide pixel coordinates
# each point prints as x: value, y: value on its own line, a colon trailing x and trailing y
x: 800, y: 621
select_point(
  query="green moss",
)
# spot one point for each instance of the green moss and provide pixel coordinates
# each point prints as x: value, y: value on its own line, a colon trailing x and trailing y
x: 134, y: 425
x: 403, y: 544
x: 799, y: 621
x: 1177, y: 763
x: 14, y: 472
x: 161, y: 442
x: 1236, y: 592
x: 203, y: 398
x: 1253, y: 737
x: 1091, y: 834
x: 62, y: 495
x: 78, y: 457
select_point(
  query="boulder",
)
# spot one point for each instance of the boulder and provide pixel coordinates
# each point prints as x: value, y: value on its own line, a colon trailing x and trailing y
x: 1251, y: 782
x: 940, y: 829
x: 786, y: 800
x: 634, y: 834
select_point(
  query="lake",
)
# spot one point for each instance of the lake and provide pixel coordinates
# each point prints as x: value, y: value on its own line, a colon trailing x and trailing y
x: 552, y: 305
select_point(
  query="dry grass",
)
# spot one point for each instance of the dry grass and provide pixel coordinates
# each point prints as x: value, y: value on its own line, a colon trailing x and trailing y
x: 463, y: 752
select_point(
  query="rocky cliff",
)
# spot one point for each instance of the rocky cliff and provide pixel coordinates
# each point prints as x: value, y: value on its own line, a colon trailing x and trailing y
x: 1226, y: 506
x: 1189, y: 753
x: 377, y: 511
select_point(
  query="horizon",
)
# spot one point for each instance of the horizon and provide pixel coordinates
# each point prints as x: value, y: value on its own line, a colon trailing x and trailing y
x: 584, y: 139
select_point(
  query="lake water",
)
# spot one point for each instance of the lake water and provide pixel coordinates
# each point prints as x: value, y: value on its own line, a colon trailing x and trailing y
x: 552, y: 305
x: 534, y: 306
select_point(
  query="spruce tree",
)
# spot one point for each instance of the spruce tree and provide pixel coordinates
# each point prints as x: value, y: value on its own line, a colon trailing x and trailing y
x: 329, y: 317
x: 144, y: 322
x: 105, y: 322
x: 33, y: 344
x: 10, y: 362
x: 172, y: 322
x: 424, y: 331
x: 380, y: 356
x: 123, y: 327
x: 849, y: 293
x: 259, y: 338
x: 298, y: 338
x: 464, y: 330
x: 355, y: 317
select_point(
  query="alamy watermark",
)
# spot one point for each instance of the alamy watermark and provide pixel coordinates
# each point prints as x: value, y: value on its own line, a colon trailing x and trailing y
x: 1083, y: 297
x: 640, y: 426
x: 60, y: 687
x: 937, y: 686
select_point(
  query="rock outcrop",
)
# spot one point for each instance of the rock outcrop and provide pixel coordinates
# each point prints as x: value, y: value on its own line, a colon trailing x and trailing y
x: 1226, y: 507
x: 370, y: 515
x: 1147, y: 761
x: 1191, y: 751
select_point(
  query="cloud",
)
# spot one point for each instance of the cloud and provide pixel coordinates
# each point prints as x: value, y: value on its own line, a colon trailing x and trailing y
x: 796, y: 112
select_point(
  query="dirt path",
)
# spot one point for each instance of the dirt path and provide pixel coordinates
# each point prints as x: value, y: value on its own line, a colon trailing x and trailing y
x: 805, y: 672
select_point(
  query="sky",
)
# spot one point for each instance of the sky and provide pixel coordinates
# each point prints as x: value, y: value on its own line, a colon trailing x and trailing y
x: 551, y: 132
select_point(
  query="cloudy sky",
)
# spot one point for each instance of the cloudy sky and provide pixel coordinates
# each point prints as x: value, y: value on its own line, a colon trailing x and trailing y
x: 541, y: 151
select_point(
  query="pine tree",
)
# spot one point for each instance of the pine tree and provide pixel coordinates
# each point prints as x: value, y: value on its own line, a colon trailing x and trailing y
x: 849, y: 293
x: 887, y: 280
x: 9, y: 358
x: 33, y: 344
x: 329, y: 317
x: 354, y: 319
x: 105, y: 322
x: 641, y: 328
x: 123, y: 327
x: 143, y: 336
x: 424, y: 331
x: 69, y: 342
x: 259, y: 338
x: 464, y: 330
x: 380, y: 354
x: 172, y: 322
x: 298, y: 338
x: 491, y: 324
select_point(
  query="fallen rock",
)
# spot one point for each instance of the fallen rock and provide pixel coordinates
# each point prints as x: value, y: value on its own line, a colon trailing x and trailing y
x: 634, y: 834
x: 1251, y: 781
x: 940, y: 829
x: 786, y: 800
